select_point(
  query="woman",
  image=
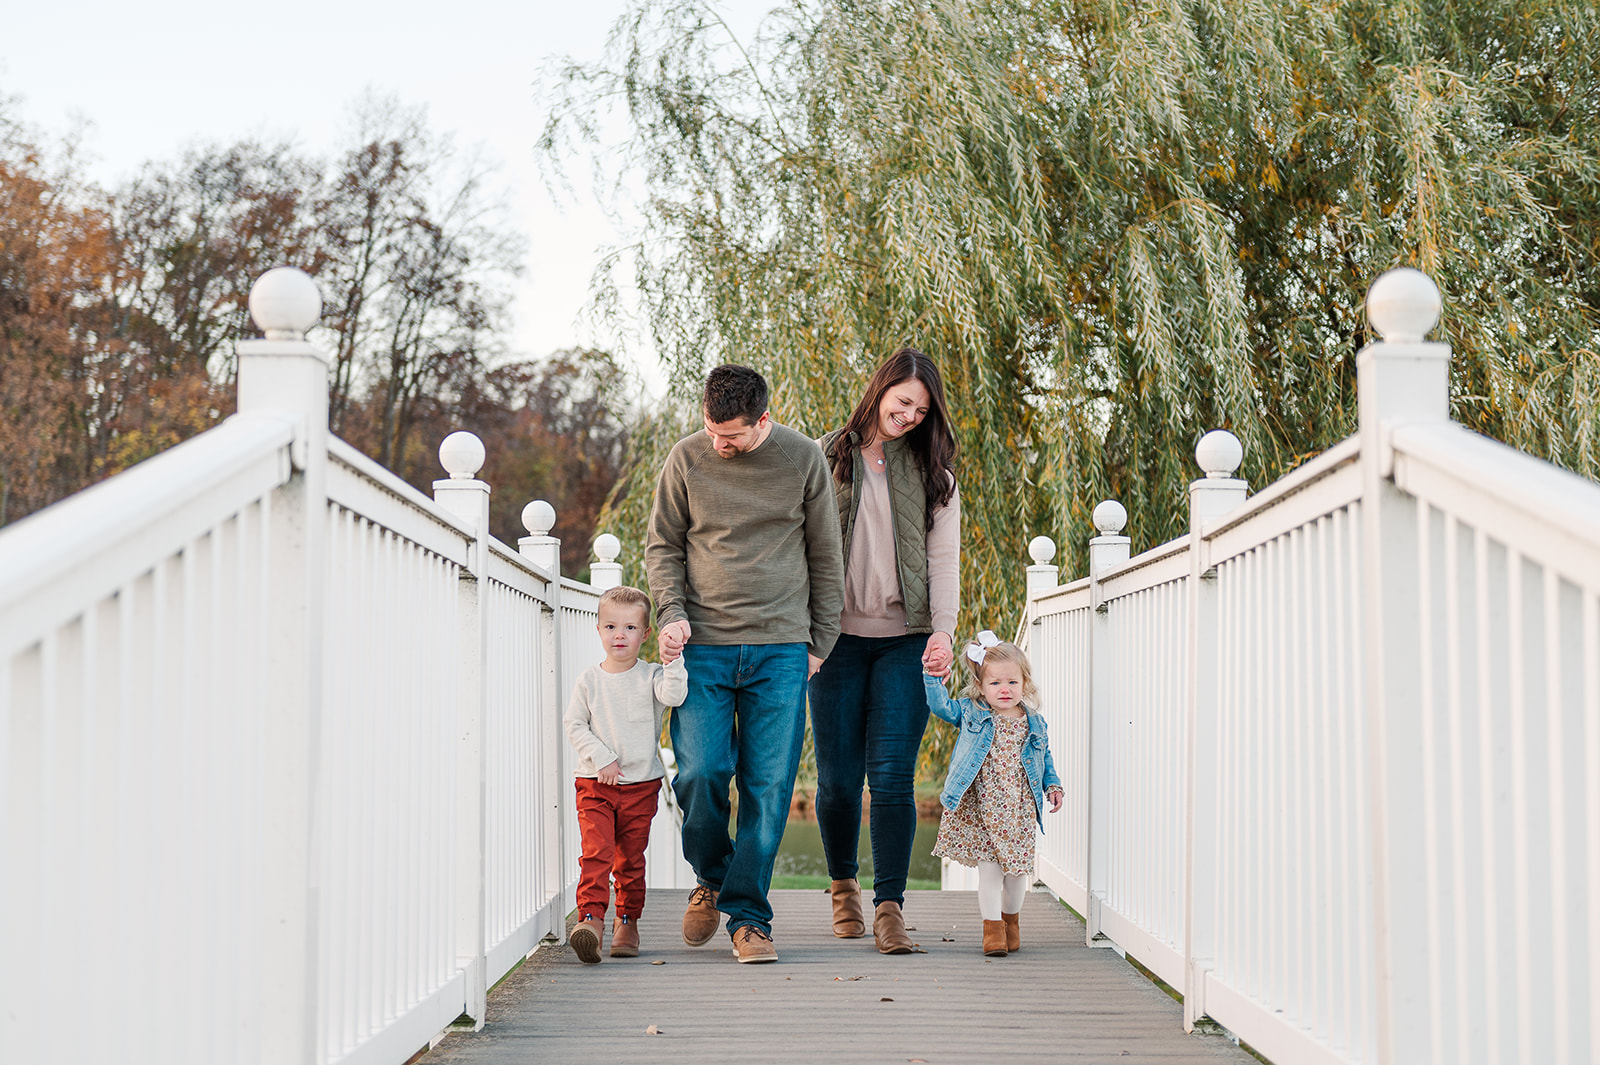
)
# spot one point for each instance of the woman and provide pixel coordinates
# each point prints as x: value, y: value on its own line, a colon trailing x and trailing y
x: 900, y: 515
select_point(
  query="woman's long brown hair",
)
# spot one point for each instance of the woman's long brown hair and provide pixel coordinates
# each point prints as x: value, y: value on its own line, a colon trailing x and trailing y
x: 931, y: 441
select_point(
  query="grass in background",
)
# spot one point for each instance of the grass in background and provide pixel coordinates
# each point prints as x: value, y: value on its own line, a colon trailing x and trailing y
x: 821, y: 883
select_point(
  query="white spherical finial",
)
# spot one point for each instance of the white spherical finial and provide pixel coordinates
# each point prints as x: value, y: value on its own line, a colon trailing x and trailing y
x: 538, y: 518
x: 1219, y: 453
x: 1041, y: 549
x: 607, y: 547
x: 1403, y: 305
x: 1109, y: 517
x: 285, y: 303
x: 461, y: 455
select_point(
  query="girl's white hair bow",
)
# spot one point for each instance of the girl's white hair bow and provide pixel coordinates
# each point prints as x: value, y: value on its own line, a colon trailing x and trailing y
x: 978, y: 649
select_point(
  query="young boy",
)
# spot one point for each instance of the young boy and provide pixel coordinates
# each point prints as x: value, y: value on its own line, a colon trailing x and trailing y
x: 614, y: 723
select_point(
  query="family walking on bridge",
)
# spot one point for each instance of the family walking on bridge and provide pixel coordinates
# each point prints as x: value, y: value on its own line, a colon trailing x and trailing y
x: 783, y: 567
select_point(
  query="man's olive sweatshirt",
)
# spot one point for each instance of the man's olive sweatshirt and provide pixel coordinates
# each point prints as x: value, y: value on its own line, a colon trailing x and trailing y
x: 747, y: 548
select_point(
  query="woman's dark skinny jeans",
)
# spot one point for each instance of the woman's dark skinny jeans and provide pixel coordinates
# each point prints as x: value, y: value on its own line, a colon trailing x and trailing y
x: 868, y: 712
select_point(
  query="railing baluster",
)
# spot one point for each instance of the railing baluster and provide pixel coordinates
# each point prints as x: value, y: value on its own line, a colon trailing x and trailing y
x: 1455, y: 1041
x: 1557, y: 701
x: 1589, y: 712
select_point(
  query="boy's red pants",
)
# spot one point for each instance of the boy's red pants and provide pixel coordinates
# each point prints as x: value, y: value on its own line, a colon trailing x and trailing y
x: 614, y: 823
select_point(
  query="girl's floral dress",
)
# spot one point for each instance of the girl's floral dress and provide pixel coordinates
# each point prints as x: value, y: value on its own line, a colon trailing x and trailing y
x: 995, y: 820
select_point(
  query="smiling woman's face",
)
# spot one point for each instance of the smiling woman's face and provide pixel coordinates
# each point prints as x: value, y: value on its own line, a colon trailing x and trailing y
x: 903, y: 407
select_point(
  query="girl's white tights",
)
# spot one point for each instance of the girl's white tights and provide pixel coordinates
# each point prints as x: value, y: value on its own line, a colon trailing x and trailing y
x: 999, y: 892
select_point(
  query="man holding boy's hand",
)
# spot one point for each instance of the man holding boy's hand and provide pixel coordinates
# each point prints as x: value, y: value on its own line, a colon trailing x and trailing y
x: 745, y: 565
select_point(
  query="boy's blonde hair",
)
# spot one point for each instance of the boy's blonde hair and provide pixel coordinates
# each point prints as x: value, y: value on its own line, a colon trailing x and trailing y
x: 625, y: 595
x: 997, y: 653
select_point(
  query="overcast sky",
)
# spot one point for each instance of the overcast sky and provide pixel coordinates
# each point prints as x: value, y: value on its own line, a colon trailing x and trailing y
x: 151, y: 78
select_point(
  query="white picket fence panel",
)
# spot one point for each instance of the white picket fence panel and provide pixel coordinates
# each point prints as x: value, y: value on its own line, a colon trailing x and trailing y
x: 1506, y: 579
x: 1060, y: 651
x: 132, y: 809
x: 1288, y: 794
x: 1338, y: 748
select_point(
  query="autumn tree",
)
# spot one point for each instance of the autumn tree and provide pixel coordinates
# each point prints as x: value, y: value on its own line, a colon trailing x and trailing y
x: 415, y: 261
x: 54, y: 255
x: 190, y: 236
x: 119, y: 314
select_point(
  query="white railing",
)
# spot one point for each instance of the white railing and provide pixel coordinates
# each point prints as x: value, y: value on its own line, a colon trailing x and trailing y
x: 1340, y: 744
x: 282, y: 774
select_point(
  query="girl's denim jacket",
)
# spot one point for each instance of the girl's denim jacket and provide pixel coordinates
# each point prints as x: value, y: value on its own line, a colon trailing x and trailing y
x: 976, y: 722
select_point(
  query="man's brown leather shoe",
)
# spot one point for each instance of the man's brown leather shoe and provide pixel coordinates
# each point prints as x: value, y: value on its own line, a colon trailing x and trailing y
x: 752, y: 944
x: 701, y: 919
x: 624, y: 938
x: 889, y: 929
x: 848, y: 921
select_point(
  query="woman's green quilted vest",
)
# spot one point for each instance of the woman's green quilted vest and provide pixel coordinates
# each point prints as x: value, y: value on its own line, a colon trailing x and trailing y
x: 908, y: 502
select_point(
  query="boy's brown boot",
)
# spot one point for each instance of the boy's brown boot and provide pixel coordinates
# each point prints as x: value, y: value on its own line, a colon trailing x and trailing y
x: 994, y: 938
x: 624, y: 938
x: 848, y: 921
x: 1013, y: 933
x: 585, y: 937
x: 889, y: 929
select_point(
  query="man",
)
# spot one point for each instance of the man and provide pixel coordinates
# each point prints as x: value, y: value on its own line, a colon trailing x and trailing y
x: 744, y: 562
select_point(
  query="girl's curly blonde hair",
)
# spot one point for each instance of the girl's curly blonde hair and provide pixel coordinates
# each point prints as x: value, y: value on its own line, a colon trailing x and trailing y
x: 1000, y: 652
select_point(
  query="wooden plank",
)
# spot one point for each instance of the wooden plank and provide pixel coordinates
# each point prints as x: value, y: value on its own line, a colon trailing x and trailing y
x: 830, y: 999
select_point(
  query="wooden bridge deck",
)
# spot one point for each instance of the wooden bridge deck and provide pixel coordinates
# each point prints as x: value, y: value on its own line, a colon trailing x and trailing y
x: 833, y: 1000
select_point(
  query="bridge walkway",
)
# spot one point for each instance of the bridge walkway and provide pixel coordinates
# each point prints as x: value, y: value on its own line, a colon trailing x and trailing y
x: 832, y: 1000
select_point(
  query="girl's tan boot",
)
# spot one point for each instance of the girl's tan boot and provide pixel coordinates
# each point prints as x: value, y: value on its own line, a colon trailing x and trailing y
x: 1013, y: 933
x: 994, y: 938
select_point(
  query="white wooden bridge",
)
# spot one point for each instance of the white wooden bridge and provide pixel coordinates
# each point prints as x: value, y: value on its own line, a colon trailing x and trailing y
x: 282, y: 777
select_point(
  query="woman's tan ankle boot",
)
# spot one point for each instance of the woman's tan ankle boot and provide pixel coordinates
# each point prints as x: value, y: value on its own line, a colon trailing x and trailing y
x: 1013, y: 933
x: 889, y: 929
x: 848, y: 920
x: 994, y: 938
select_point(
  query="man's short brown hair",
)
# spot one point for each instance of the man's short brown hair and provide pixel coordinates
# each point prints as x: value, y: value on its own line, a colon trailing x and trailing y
x: 735, y: 392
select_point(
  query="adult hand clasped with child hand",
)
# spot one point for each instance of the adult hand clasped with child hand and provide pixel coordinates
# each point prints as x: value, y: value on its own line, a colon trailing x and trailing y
x: 673, y: 637
x: 937, y: 659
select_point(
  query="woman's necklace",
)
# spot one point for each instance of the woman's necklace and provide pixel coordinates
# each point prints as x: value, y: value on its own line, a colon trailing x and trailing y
x: 875, y: 458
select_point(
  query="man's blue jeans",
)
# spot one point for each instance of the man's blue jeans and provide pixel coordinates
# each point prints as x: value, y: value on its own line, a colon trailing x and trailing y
x: 868, y: 712
x: 744, y: 718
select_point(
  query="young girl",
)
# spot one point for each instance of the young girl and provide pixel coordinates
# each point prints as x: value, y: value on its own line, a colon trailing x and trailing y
x: 1000, y: 774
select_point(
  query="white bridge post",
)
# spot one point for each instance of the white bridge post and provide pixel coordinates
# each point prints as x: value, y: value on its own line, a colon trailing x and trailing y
x: 1043, y: 576
x: 607, y: 572
x: 539, y: 547
x: 1212, y: 496
x: 544, y: 551
x: 462, y: 494
x: 1106, y: 552
x: 1400, y: 379
x: 284, y: 376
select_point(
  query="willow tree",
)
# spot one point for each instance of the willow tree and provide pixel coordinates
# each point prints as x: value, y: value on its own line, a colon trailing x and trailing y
x: 1115, y: 225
